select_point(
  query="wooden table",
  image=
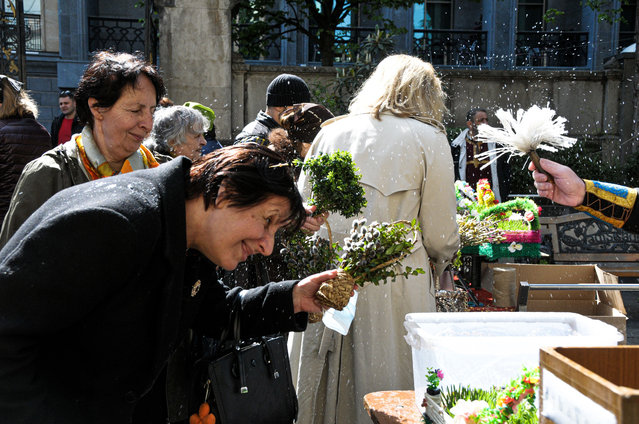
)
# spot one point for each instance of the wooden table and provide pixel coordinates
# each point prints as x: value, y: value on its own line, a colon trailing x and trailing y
x: 393, y: 407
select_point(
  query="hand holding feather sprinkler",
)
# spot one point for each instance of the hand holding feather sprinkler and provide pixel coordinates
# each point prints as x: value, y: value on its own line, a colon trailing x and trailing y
x: 533, y: 129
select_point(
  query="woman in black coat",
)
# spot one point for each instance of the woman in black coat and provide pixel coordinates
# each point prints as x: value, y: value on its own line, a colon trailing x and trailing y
x: 99, y: 286
x: 22, y: 138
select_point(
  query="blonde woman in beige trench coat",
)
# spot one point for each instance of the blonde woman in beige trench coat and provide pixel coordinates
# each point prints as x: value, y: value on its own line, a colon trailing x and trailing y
x: 407, y: 173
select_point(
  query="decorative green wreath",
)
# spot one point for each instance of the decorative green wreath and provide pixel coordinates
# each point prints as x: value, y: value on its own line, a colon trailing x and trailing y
x: 521, y: 204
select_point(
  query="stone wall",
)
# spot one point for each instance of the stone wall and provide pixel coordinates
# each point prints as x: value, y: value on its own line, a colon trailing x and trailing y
x: 590, y: 101
x: 249, y: 89
x: 195, y: 55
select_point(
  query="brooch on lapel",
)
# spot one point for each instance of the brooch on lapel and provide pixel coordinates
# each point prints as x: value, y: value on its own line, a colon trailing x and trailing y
x: 196, y: 288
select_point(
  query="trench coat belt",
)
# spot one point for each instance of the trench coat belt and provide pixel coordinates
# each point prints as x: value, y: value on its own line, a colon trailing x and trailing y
x: 328, y: 342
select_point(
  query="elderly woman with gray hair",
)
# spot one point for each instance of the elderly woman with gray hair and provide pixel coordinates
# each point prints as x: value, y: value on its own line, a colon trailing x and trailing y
x: 178, y: 131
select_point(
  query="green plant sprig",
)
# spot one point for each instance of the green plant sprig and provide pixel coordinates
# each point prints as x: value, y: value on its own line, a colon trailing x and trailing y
x: 452, y: 394
x: 371, y: 250
x: 335, y: 187
x: 434, y: 377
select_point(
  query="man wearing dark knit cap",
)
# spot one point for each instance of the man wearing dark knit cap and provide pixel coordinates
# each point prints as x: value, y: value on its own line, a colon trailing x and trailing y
x: 283, y: 92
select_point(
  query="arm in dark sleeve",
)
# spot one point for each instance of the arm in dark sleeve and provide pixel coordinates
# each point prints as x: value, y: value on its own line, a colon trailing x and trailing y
x: 264, y: 310
x: 52, y: 274
x: 40, y: 179
x: 55, y: 128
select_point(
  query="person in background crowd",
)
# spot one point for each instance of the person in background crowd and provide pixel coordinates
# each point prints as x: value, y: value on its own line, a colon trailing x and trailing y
x: 300, y: 124
x: 67, y: 123
x: 210, y: 137
x: 96, y: 290
x: 116, y: 98
x: 612, y: 203
x: 395, y: 134
x: 465, y: 147
x: 165, y: 102
x: 283, y: 92
x: 178, y: 130
x: 22, y: 138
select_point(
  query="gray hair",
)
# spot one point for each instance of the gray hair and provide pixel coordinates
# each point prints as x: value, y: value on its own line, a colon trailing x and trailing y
x: 170, y: 126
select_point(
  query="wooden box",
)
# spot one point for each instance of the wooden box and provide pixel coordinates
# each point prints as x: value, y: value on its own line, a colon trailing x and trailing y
x: 607, y: 376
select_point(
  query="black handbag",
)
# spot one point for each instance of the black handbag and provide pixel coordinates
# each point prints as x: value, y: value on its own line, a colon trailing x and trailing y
x: 251, y: 381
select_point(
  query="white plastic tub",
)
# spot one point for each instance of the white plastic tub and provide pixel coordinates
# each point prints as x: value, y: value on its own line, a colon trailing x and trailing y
x: 485, y: 349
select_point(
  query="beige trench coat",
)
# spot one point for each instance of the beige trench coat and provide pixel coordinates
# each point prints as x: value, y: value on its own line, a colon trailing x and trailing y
x: 407, y: 173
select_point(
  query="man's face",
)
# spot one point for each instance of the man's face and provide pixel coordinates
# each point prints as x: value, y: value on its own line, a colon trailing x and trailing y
x: 67, y: 105
x: 479, y: 119
x: 275, y: 112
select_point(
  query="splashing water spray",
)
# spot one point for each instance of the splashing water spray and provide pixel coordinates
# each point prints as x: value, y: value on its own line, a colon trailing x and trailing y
x: 533, y: 129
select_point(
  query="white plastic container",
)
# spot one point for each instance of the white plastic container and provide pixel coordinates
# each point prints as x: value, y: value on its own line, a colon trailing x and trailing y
x: 485, y: 349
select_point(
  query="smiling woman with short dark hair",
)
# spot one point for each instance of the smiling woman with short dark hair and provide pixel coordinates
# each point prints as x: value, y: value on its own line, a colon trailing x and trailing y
x: 115, y: 99
x: 100, y: 285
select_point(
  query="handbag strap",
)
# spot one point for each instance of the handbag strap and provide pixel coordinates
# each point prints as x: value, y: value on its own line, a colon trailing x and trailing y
x: 234, y: 321
x: 234, y: 324
x: 268, y: 355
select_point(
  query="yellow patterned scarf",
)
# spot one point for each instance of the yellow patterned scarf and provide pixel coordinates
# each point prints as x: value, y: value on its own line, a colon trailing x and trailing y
x: 97, y: 166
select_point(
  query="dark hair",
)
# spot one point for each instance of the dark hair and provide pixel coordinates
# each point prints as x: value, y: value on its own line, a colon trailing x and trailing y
x: 470, y: 116
x: 107, y: 75
x: 165, y: 102
x: 65, y: 93
x: 302, y: 121
x: 250, y: 174
x: 286, y: 146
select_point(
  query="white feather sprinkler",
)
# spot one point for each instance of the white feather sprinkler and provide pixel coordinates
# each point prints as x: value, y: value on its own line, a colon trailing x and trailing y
x: 535, y: 128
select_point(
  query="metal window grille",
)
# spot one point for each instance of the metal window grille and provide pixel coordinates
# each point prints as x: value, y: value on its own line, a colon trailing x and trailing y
x: 345, y: 39
x: 450, y: 47
x: 33, y: 31
x: 551, y: 49
x: 125, y: 35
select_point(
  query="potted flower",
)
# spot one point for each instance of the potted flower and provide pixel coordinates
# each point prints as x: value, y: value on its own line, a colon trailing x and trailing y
x: 434, y: 377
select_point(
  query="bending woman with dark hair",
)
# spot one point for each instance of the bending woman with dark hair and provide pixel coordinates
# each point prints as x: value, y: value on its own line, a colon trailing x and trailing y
x: 87, y: 329
x: 115, y: 99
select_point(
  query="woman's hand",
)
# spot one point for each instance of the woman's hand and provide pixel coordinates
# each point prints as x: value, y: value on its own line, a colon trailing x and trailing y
x: 568, y: 189
x: 304, y: 292
x: 313, y: 223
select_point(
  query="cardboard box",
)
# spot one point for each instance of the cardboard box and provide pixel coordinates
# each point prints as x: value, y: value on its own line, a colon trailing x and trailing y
x: 590, y: 385
x: 604, y: 305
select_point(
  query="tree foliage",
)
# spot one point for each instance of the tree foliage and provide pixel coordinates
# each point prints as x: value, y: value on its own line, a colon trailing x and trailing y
x: 338, y: 94
x: 260, y: 23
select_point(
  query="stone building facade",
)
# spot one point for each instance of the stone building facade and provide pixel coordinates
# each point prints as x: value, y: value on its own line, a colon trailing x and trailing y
x: 487, y: 56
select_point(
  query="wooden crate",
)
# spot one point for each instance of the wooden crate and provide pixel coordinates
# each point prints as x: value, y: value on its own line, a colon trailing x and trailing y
x: 609, y: 376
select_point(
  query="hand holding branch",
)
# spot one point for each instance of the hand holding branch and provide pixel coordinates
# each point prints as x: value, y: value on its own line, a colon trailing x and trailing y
x: 313, y: 223
x: 567, y: 189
